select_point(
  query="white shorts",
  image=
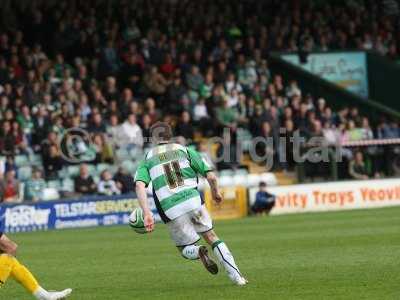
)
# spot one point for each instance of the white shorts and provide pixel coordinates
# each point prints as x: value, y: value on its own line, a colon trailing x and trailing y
x: 185, y: 229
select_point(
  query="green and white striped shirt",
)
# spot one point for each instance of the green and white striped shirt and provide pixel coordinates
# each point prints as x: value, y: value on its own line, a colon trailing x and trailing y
x: 173, y: 170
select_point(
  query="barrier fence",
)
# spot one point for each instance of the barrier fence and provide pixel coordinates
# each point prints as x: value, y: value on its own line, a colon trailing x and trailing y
x: 382, y: 156
x: 115, y: 210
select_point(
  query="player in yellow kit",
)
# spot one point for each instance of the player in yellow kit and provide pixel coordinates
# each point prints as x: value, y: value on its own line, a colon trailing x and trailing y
x: 11, y: 267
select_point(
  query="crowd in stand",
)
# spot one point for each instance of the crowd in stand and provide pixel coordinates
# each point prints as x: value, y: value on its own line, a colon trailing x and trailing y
x: 113, y: 68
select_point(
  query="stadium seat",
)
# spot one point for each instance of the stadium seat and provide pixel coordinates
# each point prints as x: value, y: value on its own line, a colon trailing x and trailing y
x: 241, y: 172
x: 122, y: 154
x: 225, y: 181
x: 269, y: 178
x: 36, y: 160
x: 63, y: 173
x: 56, y: 184
x: 253, y: 180
x: 21, y: 160
x: 24, y: 173
x: 50, y: 194
x: 135, y: 153
x: 245, y: 137
x: 73, y: 171
x: 226, y: 173
x: 92, y: 170
x: 130, y: 166
x: 246, y: 145
x: 102, y: 166
x: 68, y: 185
x: 240, y: 179
x: 113, y: 169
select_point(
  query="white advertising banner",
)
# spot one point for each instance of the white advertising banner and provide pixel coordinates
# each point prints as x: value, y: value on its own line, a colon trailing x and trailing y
x: 330, y: 196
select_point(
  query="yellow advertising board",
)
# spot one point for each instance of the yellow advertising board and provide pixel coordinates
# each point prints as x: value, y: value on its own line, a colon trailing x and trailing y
x: 233, y: 206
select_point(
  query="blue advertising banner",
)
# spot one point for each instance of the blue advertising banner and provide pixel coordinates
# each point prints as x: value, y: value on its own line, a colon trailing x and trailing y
x: 346, y: 69
x: 72, y: 213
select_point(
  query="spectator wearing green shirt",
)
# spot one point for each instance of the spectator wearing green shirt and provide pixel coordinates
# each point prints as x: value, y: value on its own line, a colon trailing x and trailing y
x: 207, y: 86
x: 60, y: 66
x: 25, y: 120
x: 194, y: 79
x: 352, y: 133
x: 34, y: 187
x: 359, y: 168
x: 227, y: 116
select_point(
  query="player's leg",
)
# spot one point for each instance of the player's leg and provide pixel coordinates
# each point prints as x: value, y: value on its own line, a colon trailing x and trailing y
x: 203, y: 224
x: 225, y: 257
x: 11, y: 267
x: 7, y: 245
x: 185, y: 237
x: 194, y: 252
x: 181, y: 233
x: 8, y: 249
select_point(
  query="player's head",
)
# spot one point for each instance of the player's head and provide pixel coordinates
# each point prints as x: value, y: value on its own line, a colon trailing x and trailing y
x: 160, y: 132
x: 262, y: 185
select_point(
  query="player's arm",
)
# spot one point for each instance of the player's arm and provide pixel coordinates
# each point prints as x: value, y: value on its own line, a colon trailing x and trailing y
x: 213, y: 182
x: 144, y: 204
x: 201, y: 167
x: 142, y: 180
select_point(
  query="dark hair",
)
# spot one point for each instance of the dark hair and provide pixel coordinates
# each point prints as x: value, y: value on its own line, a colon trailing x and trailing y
x: 103, y: 173
x: 36, y: 170
x: 262, y: 184
x: 161, y: 132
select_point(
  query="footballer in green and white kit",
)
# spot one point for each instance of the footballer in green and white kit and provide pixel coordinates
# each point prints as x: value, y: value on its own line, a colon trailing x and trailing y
x: 174, y: 170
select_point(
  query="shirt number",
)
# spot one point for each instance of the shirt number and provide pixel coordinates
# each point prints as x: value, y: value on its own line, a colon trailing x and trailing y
x: 173, y: 174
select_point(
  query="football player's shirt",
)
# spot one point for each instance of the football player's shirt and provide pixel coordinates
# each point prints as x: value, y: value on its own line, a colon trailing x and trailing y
x: 173, y: 171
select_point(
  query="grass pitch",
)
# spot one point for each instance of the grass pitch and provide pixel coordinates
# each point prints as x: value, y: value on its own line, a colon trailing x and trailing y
x: 341, y: 255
